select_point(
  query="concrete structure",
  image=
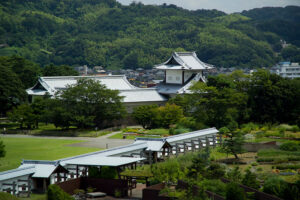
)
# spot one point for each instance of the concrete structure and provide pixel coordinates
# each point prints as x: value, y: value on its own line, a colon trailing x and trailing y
x: 287, y: 70
x: 37, y: 175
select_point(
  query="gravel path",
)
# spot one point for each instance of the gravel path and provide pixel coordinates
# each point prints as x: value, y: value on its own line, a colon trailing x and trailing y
x: 101, y: 142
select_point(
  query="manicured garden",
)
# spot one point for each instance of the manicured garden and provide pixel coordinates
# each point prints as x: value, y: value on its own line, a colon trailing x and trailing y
x: 38, y: 149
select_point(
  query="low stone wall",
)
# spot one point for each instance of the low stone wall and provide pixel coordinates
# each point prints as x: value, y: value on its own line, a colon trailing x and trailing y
x: 108, y: 186
x: 255, y: 147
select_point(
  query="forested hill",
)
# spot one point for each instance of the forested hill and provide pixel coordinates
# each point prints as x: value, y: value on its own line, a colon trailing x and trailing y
x: 104, y: 32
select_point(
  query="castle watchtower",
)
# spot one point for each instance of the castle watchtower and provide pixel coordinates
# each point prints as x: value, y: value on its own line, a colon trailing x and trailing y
x: 180, y: 70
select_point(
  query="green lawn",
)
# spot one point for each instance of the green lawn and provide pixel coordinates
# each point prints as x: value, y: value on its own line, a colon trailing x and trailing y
x: 38, y: 149
x: 130, y: 137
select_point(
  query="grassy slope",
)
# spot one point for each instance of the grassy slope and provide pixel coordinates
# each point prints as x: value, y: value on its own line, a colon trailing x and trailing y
x: 39, y: 149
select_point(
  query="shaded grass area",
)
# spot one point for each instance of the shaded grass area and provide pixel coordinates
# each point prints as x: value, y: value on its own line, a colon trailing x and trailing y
x: 51, y: 130
x: 35, y: 197
x: 38, y: 149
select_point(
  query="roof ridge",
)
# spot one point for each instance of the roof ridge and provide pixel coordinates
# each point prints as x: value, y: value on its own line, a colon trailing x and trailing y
x: 180, y: 135
x: 99, y: 152
x: 44, y: 162
x: 16, y: 170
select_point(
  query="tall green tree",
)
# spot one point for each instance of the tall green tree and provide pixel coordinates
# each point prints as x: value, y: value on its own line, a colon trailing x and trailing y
x: 233, y: 143
x: 90, y: 103
x: 11, y: 89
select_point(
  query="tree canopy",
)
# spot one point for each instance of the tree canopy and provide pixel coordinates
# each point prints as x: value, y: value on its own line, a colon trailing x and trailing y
x: 106, y: 33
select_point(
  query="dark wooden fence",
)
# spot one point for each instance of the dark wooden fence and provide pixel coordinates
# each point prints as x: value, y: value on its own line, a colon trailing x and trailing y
x: 108, y: 186
x: 195, y: 189
x: 153, y: 192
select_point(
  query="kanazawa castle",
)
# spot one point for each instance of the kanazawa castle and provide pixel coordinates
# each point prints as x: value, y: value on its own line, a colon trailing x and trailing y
x: 182, y: 70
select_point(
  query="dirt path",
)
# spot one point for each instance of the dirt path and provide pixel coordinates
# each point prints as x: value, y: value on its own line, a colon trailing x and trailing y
x: 102, y: 142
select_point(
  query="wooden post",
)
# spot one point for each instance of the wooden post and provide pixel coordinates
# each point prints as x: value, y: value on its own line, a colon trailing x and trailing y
x: 214, y: 140
x: 200, y: 143
x: 177, y: 149
x: 150, y: 157
x: 193, y: 146
x: 207, y: 141
x: 14, y: 188
x: 77, y: 171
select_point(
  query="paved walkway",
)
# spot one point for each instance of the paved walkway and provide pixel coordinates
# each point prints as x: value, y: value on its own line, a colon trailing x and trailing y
x: 101, y: 142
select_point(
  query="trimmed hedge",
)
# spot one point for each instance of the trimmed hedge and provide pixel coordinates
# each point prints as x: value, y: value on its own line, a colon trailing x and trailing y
x: 281, y: 167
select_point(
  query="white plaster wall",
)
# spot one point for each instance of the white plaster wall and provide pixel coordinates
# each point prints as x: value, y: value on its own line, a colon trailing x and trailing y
x: 187, y: 75
x: 18, y: 184
x: 174, y: 76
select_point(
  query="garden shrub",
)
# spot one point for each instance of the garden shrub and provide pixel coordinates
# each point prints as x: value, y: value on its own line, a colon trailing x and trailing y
x: 290, y: 146
x: 234, y: 174
x: 275, y: 185
x: 214, y: 171
x: 247, y: 128
x: 260, y: 134
x: 215, y: 186
x: 250, y: 180
x: 54, y: 192
x: 234, y: 192
x: 287, y: 166
x: 295, y: 129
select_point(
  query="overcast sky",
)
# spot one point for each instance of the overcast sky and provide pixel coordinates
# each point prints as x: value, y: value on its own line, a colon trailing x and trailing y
x: 228, y: 6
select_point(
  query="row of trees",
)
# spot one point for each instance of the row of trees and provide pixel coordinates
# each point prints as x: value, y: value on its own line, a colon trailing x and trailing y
x: 18, y: 74
x: 229, y: 100
x: 85, y: 104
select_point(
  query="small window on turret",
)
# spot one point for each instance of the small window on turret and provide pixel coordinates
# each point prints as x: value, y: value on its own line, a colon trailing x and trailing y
x: 169, y: 78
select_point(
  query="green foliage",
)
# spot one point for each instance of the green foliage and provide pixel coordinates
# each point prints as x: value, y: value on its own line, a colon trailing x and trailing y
x: 287, y: 166
x: 24, y: 115
x: 199, y: 162
x: 151, y: 116
x: 214, y: 171
x: 145, y: 115
x: 234, y: 174
x: 63, y: 70
x: 54, y: 192
x: 85, y: 104
x: 275, y: 185
x: 6, y: 196
x: 105, y: 172
x: 169, y: 171
x: 214, y: 185
x: 11, y: 89
x: 234, y: 192
x: 250, y: 180
x: 2, y: 149
x: 290, y: 146
x: 55, y: 32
